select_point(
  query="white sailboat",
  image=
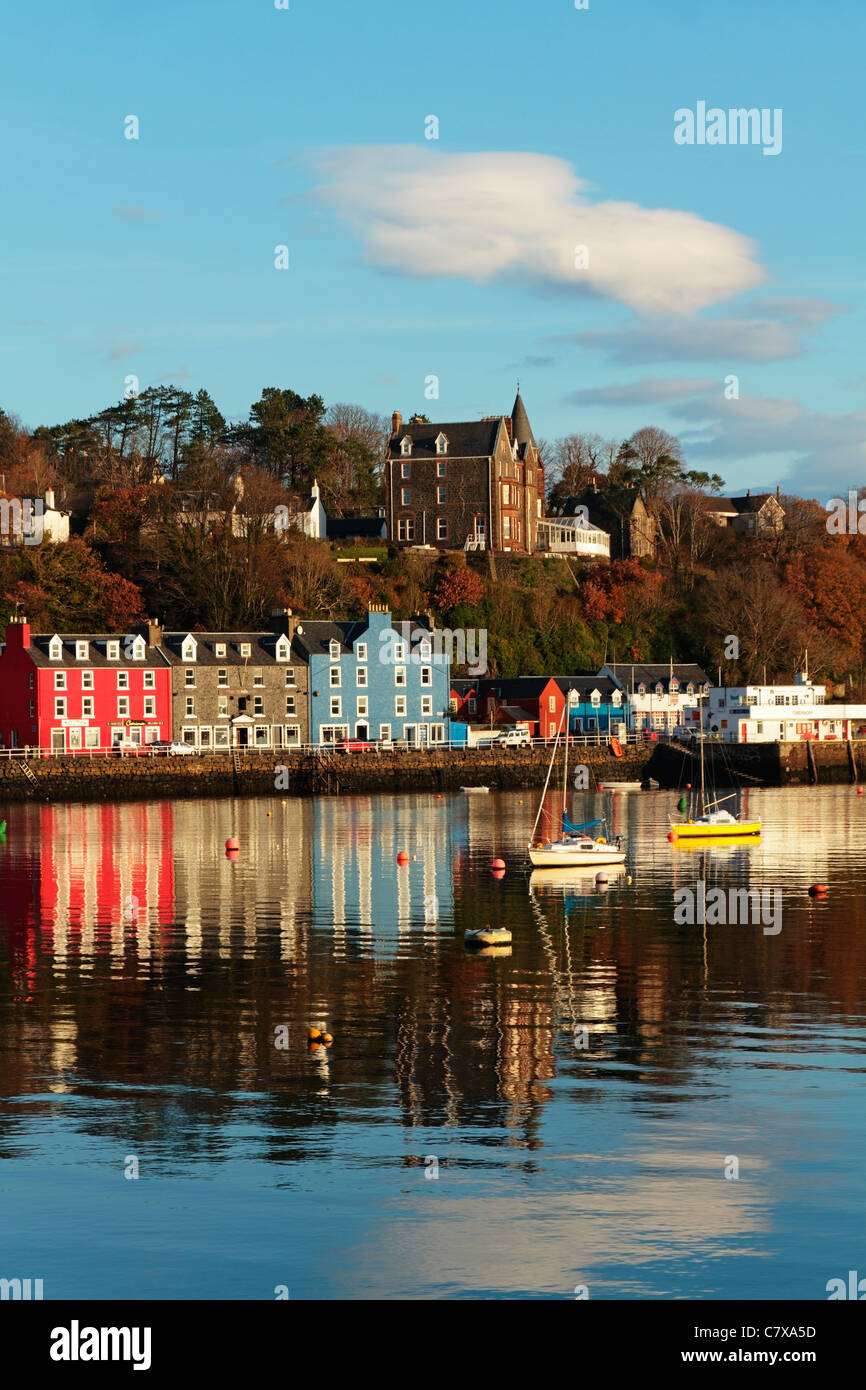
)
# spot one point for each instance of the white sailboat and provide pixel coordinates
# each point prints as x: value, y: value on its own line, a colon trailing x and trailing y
x: 575, y: 848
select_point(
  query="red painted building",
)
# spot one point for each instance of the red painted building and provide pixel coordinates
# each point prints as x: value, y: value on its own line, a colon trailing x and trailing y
x: 537, y: 701
x: 82, y: 692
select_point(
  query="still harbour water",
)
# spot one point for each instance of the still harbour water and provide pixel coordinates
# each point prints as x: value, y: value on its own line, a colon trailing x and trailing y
x: 456, y: 1140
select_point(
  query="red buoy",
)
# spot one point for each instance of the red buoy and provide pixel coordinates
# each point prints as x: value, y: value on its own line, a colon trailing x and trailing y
x: 498, y: 873
x: 498, y: 864
x: 818, y: 890
x: 670, y: 835
x: 859, y: 791
x: 402, y: 857
x: 232, y: 853
x: 233, y: 842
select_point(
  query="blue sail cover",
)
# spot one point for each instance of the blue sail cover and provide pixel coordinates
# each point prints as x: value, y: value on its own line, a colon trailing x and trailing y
x: 573, y: 829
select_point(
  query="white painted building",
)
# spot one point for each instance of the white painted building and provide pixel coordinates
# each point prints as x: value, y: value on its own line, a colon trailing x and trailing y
x: 571, y: 535
x: 787, y: 713
x: 32, y: 520
x: 662, y: 697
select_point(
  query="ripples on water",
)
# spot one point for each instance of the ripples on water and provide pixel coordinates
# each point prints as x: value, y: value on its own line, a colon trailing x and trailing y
x: 145, y: 981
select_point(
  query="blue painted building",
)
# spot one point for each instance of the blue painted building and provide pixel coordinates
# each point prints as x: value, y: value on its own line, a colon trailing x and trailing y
x: 597, y: 704
x: 377, y: 680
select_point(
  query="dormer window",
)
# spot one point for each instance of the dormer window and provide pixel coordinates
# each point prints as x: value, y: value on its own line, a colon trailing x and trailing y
x: 441, y: 444
x: 284, y: 650
x: 660, y: 690
x: 690, y: 689
x: 55, y: 649
x: 674, y: 686
x: 112, y: 651
x: 137, y: 649
x: 220, y: 649
x: 334, y: 651
x: 188, y: 650
x: 616, y: 698
x: 244, y: 648
x: 595, y: 698
x: 405, y: 446
x: 81, y: 650
x: 641, y: 690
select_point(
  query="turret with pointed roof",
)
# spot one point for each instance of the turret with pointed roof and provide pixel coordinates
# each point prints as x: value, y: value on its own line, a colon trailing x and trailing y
x: 520, y: 422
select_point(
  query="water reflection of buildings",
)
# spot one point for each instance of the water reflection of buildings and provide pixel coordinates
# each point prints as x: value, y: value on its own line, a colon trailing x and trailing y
x: 316, y: 921
x: 357, y: 881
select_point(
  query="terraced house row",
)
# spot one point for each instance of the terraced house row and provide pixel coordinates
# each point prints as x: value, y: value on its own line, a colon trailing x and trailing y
x: 297, y: 683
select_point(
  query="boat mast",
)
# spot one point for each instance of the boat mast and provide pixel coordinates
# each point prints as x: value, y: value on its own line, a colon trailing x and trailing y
x: 547, y: 780
x: 703, y: 789
x: 565, y: 763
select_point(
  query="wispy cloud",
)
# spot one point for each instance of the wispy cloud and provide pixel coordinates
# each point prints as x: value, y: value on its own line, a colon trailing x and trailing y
x: 133, y: 212
x: 774, y: 331
x: 824, y: 452
x: 120, y: 351
x: 496, y: 216
x: 648, y: 391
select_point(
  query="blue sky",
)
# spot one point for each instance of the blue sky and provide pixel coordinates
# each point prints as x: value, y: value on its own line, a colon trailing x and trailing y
x: 451, y: 257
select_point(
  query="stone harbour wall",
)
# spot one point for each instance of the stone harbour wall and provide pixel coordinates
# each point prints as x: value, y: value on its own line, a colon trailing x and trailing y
x: 322, y: 771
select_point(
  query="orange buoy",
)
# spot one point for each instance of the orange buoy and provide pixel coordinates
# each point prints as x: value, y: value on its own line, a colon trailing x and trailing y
x: 498, y: 873
x: 859, y: 791
x: 670, y: 835
x: 233, y: 854
x: 498, y: 864
x: 818, y: 890
x: 314, y: 1033
x: 402, y: 857
x: 233, y: 842
x: 327, y: 1039
x: 688, y: 786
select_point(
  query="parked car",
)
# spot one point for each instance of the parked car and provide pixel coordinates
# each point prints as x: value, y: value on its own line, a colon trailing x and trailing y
x: 355, y: 745
x: 167, y: 746
x: 513, y: 738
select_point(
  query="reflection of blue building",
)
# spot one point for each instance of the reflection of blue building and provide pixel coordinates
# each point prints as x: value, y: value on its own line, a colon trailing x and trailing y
x: 357, y: 882
x: 376, y: 680
x: 597, y: 704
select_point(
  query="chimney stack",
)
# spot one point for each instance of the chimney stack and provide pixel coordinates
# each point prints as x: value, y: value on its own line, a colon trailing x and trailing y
x: 154, y: 633
x: 283, y: 623
x: 49, y: 499
x: 18, y: 633
x: 396, y: 422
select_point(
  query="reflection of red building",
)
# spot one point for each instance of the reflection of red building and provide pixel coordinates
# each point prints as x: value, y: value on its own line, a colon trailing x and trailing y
x: 73, y: 869
x: 69, y: 694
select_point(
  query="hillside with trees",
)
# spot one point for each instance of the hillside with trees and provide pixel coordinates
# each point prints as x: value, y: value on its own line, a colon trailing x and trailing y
x: 160, y: 527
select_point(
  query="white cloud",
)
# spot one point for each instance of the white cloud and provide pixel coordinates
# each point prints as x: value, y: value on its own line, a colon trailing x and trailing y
x: 500, y: 215
x: 823, y: 452
x: 648, y: 391
x: 771, y: 331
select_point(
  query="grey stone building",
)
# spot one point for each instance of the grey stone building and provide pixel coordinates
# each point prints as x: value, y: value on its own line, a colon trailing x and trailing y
x: 239, y: 689
x: 476, y: 485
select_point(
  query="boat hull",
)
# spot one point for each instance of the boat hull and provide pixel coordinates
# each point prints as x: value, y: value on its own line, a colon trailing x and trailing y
x: 575, y: 858
x: 692, y: 830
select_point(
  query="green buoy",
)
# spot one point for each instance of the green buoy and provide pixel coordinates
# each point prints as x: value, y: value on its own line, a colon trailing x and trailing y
x: 682, y: 804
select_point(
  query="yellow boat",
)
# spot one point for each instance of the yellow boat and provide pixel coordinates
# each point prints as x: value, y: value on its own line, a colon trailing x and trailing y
x: 713, y: 823
x: 719, y: 842
x: 711, y: 827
